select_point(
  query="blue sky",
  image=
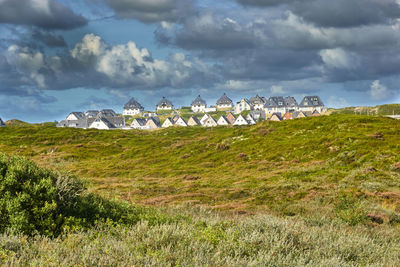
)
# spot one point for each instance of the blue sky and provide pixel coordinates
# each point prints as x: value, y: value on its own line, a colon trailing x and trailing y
x: 61, y: 56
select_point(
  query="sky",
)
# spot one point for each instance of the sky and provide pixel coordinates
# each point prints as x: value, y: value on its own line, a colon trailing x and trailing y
x: 58, y: 56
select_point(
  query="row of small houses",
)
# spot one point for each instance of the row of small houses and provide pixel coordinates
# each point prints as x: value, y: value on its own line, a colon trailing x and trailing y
x: 108, y: 119
x: 275, y: 104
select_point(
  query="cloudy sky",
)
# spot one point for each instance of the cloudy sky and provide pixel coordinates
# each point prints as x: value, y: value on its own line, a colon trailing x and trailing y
x: 58, y: 56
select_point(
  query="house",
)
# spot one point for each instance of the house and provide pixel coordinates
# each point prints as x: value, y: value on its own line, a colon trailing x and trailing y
x: 250, y: 119
x: 223, y: 121
x: 181, y: 122
x: 224, y: 103
x: 287, y: 116
x: 138, y: 123
x: 152, y: 123
x: 198, y: 105
x: 298, y: 114
x: 316, y: 113
x: 132, y: 107
x: 117, y: 121
x: 74, y: 116
x: 240, y: 120
x: 258, y: 114
x: 101, y: 124
x: 107, y: 113
x: 275, y: 104
x: 168, y: 123
x: 257, y: 102
x: 276, y: 117
x: 2, y: 124
x: 210, y: 122
x: 243, y: 105
x: 291, y: 104
x: 193, y: 121
x: 311, y: 103
x: 231, y: 118
x: 175, y: 118
x: 164, y: 104
x: 204, y: 118
x: 91, y: 113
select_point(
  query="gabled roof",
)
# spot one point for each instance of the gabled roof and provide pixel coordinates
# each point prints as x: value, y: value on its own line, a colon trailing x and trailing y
x: 296, y: 114
x: 257, y: 100
x: 224, y: 119
x: 164, y: 102
x: 139, y: 121
x: 210, y: 121
x: 244, y: 100
x: 250, y: 119
x: 195, y: 120
x: 171, y: 121
x: 275, y: 102
x: 79, y: 115
x: 2, y: 123
x: 153, y: 121
x: 180, y: 121
x: 105, y: 121
x: 198, y: 101
x: 290, y: 101
x: 231, y: 118
x: 224, y: 100
x: 278, y: 115
x: 311, y: 101
x: 92, y: 113
x: 133, y: 104
x: 107, y: 113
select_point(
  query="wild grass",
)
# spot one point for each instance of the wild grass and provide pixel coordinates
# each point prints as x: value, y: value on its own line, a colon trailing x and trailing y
x: 209, y: 239
x: 340, y: 166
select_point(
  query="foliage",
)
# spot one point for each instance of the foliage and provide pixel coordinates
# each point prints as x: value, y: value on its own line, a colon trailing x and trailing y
x: 34, y: 200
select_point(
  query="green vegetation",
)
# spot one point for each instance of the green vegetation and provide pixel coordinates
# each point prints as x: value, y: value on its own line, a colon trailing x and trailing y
x: 390, y: 109
x: 339, y: 166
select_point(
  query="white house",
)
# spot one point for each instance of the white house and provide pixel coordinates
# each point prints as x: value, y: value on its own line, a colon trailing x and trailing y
x: 181, y: 122
x: 101, y: 124
x: 198, y: 105
x: 152, y: 124
x: 193, y: 121
x: 223, y: 121
x: 257, y: 102
x: 210, y: 122
x: 311, y: 103
x: 243, y: 105
x: 164, y: 104
x: 240, y: 120
x: 210, y: 109
x: 167, y: 123
x: 132, y: 108
x: 204, y: 118
x: 224, y: 103
x: 74, y: 116
x: 275, y: 104
x: 138, y: 123
x: 250, y: 119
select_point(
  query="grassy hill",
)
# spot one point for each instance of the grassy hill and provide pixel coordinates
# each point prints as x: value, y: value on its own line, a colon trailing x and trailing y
x: 340, y: 166
x: 389, y: 109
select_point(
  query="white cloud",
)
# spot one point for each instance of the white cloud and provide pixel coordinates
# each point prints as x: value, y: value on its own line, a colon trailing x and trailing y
x: 338, y: 58
x: 277, y: 90
x: 379, y: 91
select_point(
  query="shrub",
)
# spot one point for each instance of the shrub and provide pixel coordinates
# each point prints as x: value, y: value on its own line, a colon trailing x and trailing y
x: 34, y: 200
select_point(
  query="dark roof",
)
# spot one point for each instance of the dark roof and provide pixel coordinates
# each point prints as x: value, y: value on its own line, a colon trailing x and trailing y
x: 279, y: 115
x: 140, y: 121
x: 164, y: 102
x: 79, y: 115
x: 107, y: 113
x: 133, y: 104
x: 297, y: 113
x: 225, y: 118
x: 311, y: 101
x: 198, y: 101
x: 224, y: 99
x: 256, y: 100
x: 156, y: 122
x: 2, y: 122
x: 230, y: 117
x: 275, y: 102
x: 105, y: 121
x: 290, y: 101
x: 116, y: 121
x: 195, y: 119
x: 92, y: 113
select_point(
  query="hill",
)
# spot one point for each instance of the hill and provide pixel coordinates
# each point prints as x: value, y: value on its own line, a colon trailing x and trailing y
x: 389, y: 109
x: 338, y: 166
x: 15, y: 122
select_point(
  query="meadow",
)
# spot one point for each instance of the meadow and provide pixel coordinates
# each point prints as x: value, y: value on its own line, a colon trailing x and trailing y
x: 313, y: 191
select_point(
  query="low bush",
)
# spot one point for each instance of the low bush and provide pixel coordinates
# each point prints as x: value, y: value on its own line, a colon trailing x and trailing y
x: 34, y: 200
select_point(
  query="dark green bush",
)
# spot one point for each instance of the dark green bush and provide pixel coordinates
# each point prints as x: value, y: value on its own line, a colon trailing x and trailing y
x: 34, y: 200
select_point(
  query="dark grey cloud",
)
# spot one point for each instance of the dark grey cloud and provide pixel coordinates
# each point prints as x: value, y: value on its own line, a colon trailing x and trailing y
x: 49, y: 39
x: 46, y: 14
x: 266, y: 3
x: 150, y: 11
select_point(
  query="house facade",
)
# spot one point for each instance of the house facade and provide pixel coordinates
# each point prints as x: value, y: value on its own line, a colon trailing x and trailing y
x: 152, y: 124
x: 311, y: 103
x: 243, y: 105
x: 240, y: 120
x: 74, y: 116
x: 210, y: 122
x: 250, y: 119
x: 275, y: 104
x: 193, y: 121
x: 132, y: 108
x: 181, y: 122
x: 101, y: 124
x: 138, y: 123
x: 231, y: 118
x: 276, y: 117
x: 164, y: 105
x: 257, y: 102
x: 198, y: 105
x: 224, y: 103
x: 168, y: 123
x: 223, y: 121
